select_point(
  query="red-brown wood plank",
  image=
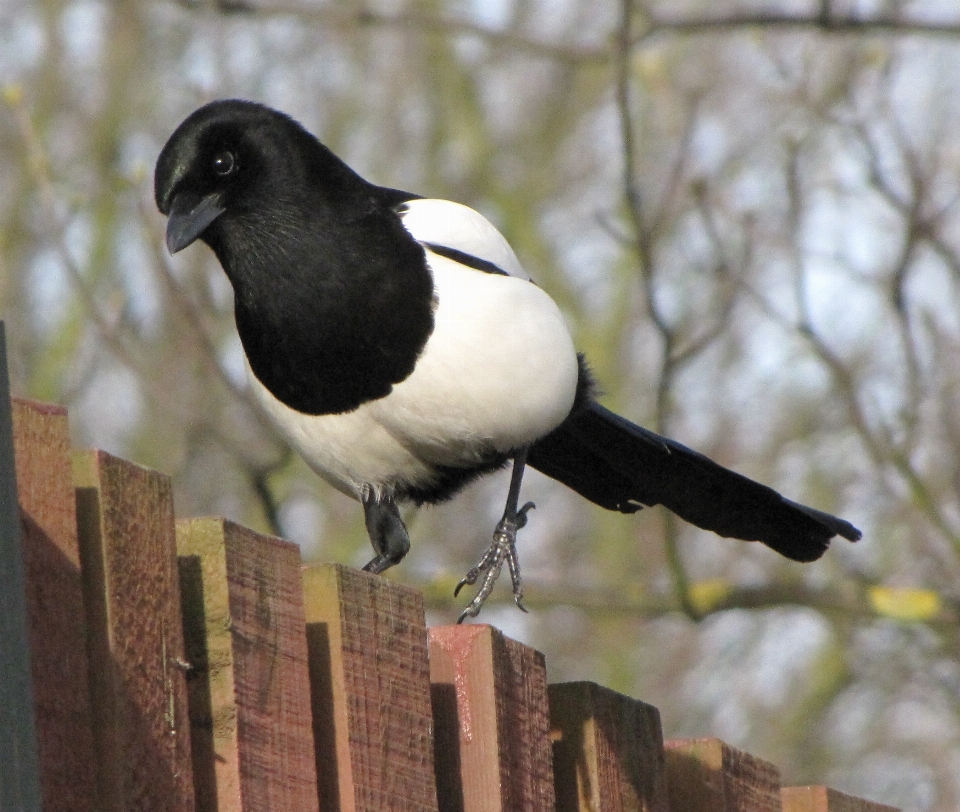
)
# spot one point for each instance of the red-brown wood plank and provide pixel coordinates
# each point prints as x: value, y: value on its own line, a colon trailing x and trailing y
x: 54, y: 595
x: 138, y: 684
x: 492, y: 722
x: 708, y: 775
x: 607, y: 751
x: 371, y: 692
x: 249, y: 686
x: 825, y: 799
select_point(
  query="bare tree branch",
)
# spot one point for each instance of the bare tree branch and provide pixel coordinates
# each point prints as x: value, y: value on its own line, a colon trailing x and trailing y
x: 823, y: 22
x: 853, y: 599
x: 342, y: 17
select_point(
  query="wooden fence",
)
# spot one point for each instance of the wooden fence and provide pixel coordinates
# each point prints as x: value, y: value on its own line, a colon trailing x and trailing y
x: 154, y: 664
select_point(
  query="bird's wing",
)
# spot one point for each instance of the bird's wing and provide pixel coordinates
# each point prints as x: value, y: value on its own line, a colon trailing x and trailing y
x: 459, y: 233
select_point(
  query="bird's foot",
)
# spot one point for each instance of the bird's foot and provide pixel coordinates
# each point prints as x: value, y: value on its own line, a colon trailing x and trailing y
x: 378, y: 564
x: 502, y: 548
x: 388, y: 534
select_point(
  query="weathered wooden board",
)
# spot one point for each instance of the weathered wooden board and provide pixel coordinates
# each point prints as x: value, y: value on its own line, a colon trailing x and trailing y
x: 708, y: 775
x: 371, y: 692
x: 825, y: 799
x: 54, y: 592
x: 492, y: 722
x: 132, y: 595
x: 249, y: 684
x: 607, y: 751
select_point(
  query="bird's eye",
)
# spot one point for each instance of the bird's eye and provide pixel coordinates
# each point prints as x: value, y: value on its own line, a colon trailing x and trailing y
x: 224, y: 163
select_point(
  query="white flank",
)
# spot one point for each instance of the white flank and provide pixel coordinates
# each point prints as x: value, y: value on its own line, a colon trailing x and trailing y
x: 498, y: 372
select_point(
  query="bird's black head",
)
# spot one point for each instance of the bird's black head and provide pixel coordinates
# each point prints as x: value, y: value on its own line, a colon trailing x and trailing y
x: 217, y: 161
x: 333, y: 296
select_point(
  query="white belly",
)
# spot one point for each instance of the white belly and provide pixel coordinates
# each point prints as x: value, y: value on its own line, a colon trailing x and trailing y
x: 498, y: 372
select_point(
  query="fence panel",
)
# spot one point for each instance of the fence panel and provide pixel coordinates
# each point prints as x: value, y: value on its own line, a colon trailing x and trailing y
x: 824, y: 799
x: 371, y: 692
x: 132, y: 597
x: 607, y: 751
x: 708, y: 775
x: 249, y: 686
x: 54, y: 595
x: 492, y: 722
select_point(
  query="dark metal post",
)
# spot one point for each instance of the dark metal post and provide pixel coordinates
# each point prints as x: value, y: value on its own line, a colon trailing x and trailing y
x: 19, y: 768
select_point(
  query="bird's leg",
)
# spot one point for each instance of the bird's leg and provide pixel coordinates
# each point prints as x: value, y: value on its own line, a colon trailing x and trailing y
x: 503, y: 548
x: 386, y: 529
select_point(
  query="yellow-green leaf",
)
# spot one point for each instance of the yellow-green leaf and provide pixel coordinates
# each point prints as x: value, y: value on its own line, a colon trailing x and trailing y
x: 904, y: 604
x: 707, y: 595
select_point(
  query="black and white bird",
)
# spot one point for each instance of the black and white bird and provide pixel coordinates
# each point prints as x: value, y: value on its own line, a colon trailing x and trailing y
x: 401, y: 349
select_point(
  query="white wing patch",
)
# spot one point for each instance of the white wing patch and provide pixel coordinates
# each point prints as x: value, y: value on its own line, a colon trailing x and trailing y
x: 452, y: 225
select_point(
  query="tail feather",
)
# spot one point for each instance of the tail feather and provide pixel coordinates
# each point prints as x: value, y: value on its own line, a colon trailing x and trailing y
x: 622, y: 466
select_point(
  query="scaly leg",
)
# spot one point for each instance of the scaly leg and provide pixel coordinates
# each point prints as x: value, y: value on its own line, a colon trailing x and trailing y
x: 502, y: 548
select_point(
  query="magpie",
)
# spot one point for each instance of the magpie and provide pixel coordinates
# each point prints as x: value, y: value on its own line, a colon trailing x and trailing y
x: 400, y: 348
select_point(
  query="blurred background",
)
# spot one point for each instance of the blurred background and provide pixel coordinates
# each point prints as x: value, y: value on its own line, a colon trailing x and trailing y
x: 750, y: 214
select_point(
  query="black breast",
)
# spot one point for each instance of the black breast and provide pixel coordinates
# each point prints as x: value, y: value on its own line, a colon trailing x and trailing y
x: 331, y: 313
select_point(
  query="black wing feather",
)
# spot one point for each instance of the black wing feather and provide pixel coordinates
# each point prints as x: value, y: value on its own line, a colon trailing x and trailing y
x: 622, y: 466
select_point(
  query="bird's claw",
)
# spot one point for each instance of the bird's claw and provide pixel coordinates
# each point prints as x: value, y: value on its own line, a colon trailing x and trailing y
x: 502, y: 549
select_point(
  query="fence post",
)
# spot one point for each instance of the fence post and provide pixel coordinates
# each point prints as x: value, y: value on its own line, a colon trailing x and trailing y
x: 492, y: 722
x: 55, y: 607
x: 138, y: 682
x: 825, y: 799
x: 19, y: 765
x: 249, y: 686
x: 607, y: 751
x: 370, y: 685
x: 708, y: 775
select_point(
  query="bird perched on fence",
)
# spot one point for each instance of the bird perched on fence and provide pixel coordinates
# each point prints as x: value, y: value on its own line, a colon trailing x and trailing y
x: 401, y: 349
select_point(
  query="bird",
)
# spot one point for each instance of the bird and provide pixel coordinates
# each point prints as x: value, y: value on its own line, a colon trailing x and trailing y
x: 400, y: 348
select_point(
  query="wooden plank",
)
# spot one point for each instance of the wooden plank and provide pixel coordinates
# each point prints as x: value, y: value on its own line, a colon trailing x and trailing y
x: 492, y: 722
x: 825, y: 799
x: 607, y: 751
x: 249, y: 686
x: 708, y: 775
x: 54, y: 593
x: 135, y: 634
x: 371, y: 692
x: 19, y: 760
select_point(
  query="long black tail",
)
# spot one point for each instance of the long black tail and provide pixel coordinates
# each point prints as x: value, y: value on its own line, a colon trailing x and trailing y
x: 622, y: 466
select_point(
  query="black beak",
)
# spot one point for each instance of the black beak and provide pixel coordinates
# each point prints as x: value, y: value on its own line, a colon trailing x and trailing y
x: 189, y: 217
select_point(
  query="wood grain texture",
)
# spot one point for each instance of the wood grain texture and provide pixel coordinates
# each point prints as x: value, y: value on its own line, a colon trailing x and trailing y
x: 492, y: 722
x: 249, y: 684
x: 371, y: 692
x: 54, y: 595
x: 708, y: 775
x: 135, y: 635
x: 825, y: 799
x: 607, y: 751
